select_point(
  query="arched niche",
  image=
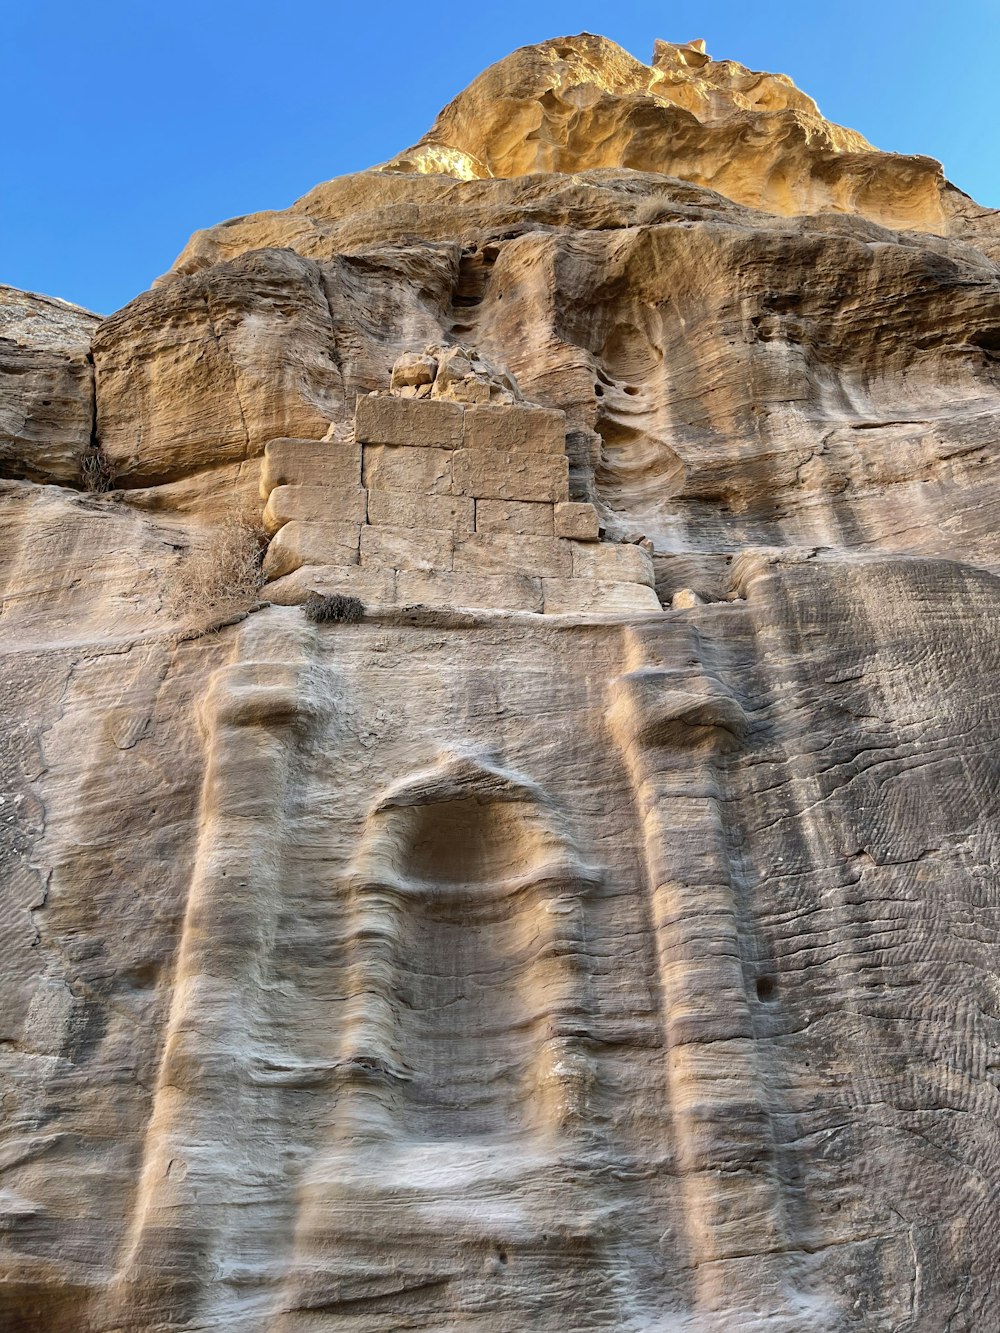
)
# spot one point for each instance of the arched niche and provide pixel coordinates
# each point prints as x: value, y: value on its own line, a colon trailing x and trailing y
x: 469, y: 995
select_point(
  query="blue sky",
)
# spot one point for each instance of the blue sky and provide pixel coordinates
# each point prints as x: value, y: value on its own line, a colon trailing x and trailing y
x: 130, y: 125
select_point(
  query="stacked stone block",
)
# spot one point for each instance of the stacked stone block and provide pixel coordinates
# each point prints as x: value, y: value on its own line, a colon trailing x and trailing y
x: 447, y: 505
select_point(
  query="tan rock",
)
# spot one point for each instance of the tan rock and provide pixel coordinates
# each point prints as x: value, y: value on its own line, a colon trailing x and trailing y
x: 464, y: 376
x: 578, y: 521
x: 372, y: 585
x: 568, y: 596
x: 462, y: 968
x: 389, y: 467
x: 407, y: 548
x: 380, y: 419
x: 503, y: 553
x: 314, y: 503
x: 492, y: 475
x: 685, y: 599
x: 413, y: 369
x: 502, y: 592
x: 612, y: 563
x: 594, y: 106
x: 330, y: 464
x: 689, y: 55
x: 207, y: 370
x: 404, y: 509
x: 515, y: 427
x: 46, y: 387
x: 314, y: 542
x: 516, y: 516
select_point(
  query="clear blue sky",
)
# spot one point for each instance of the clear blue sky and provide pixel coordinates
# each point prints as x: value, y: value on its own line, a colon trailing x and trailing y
x: 131, y: 124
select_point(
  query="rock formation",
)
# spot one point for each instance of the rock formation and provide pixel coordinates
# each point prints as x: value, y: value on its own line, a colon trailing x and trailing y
x: 600, y: 933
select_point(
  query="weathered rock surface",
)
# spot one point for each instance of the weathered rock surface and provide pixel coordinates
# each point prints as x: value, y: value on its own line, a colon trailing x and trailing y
x: 542, y: 951
x: 46, y: 386
x: 583, y: 102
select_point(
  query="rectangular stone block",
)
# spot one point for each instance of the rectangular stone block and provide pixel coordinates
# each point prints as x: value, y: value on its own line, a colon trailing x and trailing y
x: 330, y: 463
x: 579, y: 521
x: 403, y: 509
x: 612, y: 563
x: 382, y: 419
x: 504, y: 553
x: 515, y: 426
x: 515, y: 516
x: 395, y: 467
x: 407, y: 548
x: 511, y: 592
x: 314, y: 504
x: 565, y: 596
x: 491, y: 474
x: 302, y: 543
x: 376, y: 587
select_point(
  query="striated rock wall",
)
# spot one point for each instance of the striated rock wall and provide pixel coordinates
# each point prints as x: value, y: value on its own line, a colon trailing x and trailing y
x: 46, y: 369
x: 541, y: 950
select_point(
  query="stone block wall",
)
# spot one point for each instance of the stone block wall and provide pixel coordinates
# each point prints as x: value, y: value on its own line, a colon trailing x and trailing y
x: 444, y: 504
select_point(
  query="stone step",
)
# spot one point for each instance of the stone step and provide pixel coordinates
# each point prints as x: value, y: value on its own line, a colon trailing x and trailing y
x: 514, y: 428
x: 503, y: 553
x: 405, y: 509
x: 407, y: 548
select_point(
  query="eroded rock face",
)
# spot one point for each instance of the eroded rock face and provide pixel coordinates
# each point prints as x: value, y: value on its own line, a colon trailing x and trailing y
x: 46, y: 386
x: 541, y: 948
x: 210, y: 368
x: 582, y: 102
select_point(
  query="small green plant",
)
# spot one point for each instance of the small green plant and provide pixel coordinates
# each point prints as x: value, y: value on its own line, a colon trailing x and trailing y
x: 97, y: 471
x: 333, y: 609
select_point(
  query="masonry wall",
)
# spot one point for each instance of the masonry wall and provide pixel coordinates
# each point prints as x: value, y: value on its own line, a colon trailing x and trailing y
x: 441, y: 504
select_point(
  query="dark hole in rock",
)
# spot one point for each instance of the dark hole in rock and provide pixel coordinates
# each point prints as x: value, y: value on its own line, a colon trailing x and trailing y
x: 767, y: 989
x: 987, y: 339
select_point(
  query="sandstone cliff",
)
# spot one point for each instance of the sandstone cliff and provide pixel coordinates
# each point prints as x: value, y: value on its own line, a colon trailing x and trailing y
x: 601, y: 932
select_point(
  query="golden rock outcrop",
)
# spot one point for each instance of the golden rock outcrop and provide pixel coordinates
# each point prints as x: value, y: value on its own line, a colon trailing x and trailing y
x: 582, y: 103
x: 558, y: 129
x: 501, y: 694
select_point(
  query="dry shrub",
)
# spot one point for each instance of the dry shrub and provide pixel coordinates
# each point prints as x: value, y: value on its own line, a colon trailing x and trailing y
x: 97, y: 471
x: 653, y: 208
x: 333, y: 608
x: 223, y: 577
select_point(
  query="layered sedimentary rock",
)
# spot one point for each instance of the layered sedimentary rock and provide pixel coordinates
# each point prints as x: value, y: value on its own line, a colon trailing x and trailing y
x: 47, y: 407
x: 601, y: 932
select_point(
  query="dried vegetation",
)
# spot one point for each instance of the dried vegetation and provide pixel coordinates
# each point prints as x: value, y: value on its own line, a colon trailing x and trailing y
x: 221, y: 577
x: 97, y: 471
